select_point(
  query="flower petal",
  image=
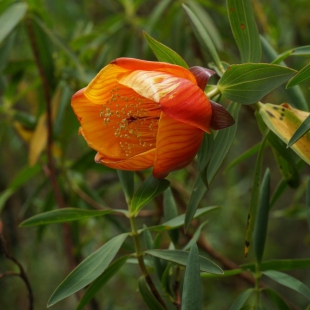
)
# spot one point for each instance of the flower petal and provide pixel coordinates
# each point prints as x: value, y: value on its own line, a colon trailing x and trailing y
x: 221, y: 118
x: 98, y: 90
x: 123, y: 127
x: 179, y: 98
x: 135, y: 163
x: 202, y: 75
x: 131, y: 64
x: 188, y: 104
x: 177, y: 145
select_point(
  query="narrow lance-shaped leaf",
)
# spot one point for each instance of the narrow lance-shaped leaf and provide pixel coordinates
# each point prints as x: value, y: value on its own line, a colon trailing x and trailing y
x: 88, y: 270
x: 301, y: 76
x: 276, y: 299
x: 148, y: 189
x: 221, y: 146
x: 93, y: 289
x: 147, y: 295
x: 171, y: 212
x: 297, y: 51
x: 203, y: 36
x: 191, y: 296
x: 303, y: 128
x: 244, y: 29
x: 127, y: 181
x: 283, y: 121
x: 179, y: 220
x: 249, y: 83
x: 254, y: 198
x: 63, y: 215
x: 288, y: 281
x: 294, y: 94
x: 10, y: 18
x: 204, y: 156
x: 180, y: 257
x: 260, y: 229
x: 241, y: 299
x: 164, y: 53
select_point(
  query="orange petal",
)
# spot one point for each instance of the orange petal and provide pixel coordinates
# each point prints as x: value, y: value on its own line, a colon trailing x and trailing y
x: 179, y: 98
x: 188, y: 104
x: 177, y: 145
x: 123, y: 127
x: 138, y: 162
x: 99, y: 89
x: 149, y: 84
x: 132, y: 64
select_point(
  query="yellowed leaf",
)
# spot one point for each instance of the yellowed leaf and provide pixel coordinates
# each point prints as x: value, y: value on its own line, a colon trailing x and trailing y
x: 283, y: 120
x: 38, y: 141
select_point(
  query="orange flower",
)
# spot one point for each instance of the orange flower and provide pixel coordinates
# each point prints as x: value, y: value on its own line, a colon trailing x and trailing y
x: 137, y: 114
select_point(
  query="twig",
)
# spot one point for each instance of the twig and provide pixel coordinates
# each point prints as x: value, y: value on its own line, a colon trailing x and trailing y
x: 51, y: 167
x: 22, y: 274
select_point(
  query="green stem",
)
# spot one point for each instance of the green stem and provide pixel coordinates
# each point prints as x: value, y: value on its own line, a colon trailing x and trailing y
x: 139, y: 254
x: 213, y: 92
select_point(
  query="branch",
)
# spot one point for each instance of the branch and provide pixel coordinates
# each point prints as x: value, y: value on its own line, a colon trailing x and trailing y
x: 22, y: 274
x: 49, y: 147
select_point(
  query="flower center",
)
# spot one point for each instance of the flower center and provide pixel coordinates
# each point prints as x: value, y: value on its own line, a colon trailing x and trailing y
x: 134, y: 120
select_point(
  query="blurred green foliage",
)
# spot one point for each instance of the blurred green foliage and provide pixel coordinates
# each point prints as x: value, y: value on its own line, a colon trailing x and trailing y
x: 75, y: 39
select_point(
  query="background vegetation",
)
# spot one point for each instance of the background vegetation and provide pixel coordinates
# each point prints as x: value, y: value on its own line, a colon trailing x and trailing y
x: 74, y: 40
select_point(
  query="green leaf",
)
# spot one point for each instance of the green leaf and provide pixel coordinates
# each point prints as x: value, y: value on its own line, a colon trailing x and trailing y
x: 241, y: 300
x: 5, y: 51
x: 203, y: 36
x: 10, y: 18
x: 128, y: 184
x: 148, y: 189
x: 300, y: 131
x: 308, y: 202
x: 221, y: 146
x: 195, y: 237
x: 148, y: 297
x: 301, y: 76
x: 63, y: 215
x: 180, y: 257
x: 179, y: 220
x: 227, y: 273
x: 248, y: 153
x: 244, y: 29
x: 171, y: 212
x: 150, y: 245
x: 204, y: 156
x: 223, y: 142
x: 254, y: 197
x: 297, y: 51
x: 88, y: 270
x: 288, y: 281
x: 279, y: 264
x: 164, y: 53
x: 22, y: 177
x: 276, y: 299
x: 156, y: 15
x: 249, y: 83
x: 287, y: 167
x: 93, y: 289
x: 191, y: 296
x: 45, y: 51
x: 294, y: 94
x: 260, y: 230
